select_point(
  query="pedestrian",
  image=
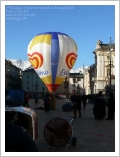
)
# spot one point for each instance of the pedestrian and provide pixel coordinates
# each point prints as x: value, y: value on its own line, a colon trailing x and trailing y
x: 84, y: 99
x: 111, y: 107
x: 73, y: 97
x: 47, y: 100
x: 18, y: 139
x: 36, y: 99
x: 99, y: 108
x: 26, y: 98
x: 77, y: 105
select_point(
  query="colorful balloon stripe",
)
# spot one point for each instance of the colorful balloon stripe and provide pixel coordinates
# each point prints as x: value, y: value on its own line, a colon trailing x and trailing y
x: 47, y: 80
x: 40, y: 39
x: 52, y: 87
x: 58, y: 33
x: 59, y: 80
x: 70, y: 59
x: 54, y: 55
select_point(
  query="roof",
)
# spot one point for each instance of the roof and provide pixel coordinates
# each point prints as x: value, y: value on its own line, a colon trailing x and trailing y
x: 104, y: 47
x: 11, y: 64
x: 29, y: 70
x: 76, y: 75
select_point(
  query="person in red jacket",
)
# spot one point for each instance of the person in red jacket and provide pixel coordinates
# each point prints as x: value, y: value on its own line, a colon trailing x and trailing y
x: 26, y: 98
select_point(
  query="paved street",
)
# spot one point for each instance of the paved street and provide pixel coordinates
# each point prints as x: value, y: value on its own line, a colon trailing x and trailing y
x: 92, y: 135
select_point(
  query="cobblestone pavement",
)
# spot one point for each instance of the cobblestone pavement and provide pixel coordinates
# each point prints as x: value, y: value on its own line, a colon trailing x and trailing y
x: 92, y: 135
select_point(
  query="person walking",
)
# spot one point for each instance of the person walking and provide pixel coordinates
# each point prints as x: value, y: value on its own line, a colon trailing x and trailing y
x: 47, y: 102
x: 26, y: 98
x: 99, y: 108
x: 111, y: 107
x: 84, y: 99
x: 77, y: 105
x: 36, y: 99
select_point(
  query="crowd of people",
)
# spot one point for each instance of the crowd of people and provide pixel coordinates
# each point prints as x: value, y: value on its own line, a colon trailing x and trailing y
x: 99, y: 109
x: 47, y: 97
x: 77, y: 99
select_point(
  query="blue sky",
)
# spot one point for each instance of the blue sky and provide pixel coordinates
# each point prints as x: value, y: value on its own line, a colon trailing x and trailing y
x: 84, y: 23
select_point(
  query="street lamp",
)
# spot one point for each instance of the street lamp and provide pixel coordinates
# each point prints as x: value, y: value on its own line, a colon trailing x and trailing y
x: 83, y: 79
x: 110, y: 62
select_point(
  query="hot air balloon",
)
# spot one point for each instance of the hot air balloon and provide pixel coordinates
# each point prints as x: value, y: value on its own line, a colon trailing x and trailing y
x: 52, y: 55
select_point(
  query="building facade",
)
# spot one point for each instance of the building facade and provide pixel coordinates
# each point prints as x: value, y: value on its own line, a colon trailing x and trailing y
x: 12, y: 76
x: 97, y: 76
x: 87, y: 81
x: 76, y: 83
x: 103, y: 55
x: 33, y: 83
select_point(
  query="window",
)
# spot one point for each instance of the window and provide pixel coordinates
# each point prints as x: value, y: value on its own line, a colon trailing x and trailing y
x: 74, y: 85
x: 36, y: 88
x: 78, y: 86
x: 36, y: 82
x: 27, y: 76
x: 78, y: 79
x: 36, y: 77
x: 74, y: 80
x: 27, y: 82
x: 27, y: 88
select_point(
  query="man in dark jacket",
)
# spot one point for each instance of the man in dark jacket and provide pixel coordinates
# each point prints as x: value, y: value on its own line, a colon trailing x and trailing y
x: 111, y: 107
x: 26, y: 98
x: 99, y: 108
x: 84, y: 99
x: 77, y: 105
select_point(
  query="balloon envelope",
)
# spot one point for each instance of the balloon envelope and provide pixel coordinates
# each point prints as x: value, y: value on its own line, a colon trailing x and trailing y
x: 52, y: 55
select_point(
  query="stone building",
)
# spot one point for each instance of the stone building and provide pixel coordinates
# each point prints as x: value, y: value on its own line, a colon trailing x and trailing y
x: 103, y: 53
x: 97, y: 76
x: 32, y: 82
x: 76, y: 82
x: 87, y: 81
x: 12, y: 76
